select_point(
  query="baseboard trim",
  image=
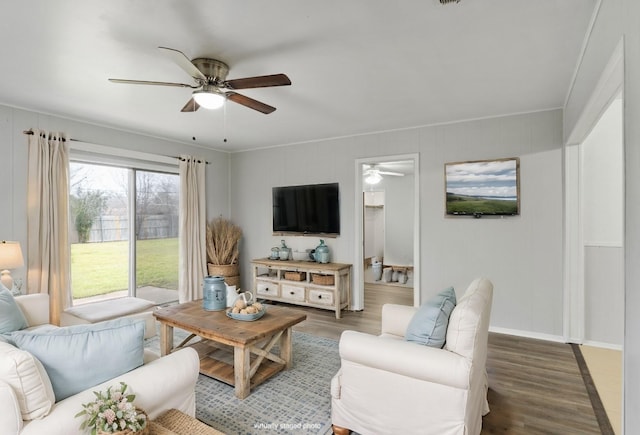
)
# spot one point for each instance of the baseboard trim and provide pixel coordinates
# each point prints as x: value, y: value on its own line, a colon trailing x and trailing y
x: 527, y: 334
x: 555, y: 338
x: 603, y: 345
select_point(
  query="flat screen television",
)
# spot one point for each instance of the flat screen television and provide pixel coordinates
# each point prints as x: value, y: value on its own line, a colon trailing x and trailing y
x: 483, y: 188
x: 308, y: 209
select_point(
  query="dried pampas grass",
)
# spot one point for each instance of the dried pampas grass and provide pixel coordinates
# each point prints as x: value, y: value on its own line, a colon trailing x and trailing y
x: 223, y: 239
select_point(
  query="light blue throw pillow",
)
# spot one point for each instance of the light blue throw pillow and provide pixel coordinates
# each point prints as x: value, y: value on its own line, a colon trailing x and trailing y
x: 82, y: 356
x: 429, y: 324
x: 11, y: 317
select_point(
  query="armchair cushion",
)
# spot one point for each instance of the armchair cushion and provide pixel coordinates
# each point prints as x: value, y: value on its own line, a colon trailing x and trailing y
x: 11, y: 317
x: 422, y: 363
x: 81, y: 356
x: 396, y: 319
x: 429, y: 324
x: 469, y: 322
x: 28, y: 380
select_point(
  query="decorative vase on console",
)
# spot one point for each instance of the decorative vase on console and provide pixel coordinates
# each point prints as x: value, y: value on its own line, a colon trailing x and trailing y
x: 321, y: 254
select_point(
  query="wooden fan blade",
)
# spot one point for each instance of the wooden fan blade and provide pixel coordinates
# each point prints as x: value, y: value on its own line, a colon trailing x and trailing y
x: 146, y: 82
x: 259, y: 82
x: 191, y: 106
x: 250, y: 103
x: 183, y: 62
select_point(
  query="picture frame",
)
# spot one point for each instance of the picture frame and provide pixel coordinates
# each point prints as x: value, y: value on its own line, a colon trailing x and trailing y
x: 480, y: 188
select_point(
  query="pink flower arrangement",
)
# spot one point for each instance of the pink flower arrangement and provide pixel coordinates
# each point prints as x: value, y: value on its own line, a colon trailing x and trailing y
x: 112, y: 411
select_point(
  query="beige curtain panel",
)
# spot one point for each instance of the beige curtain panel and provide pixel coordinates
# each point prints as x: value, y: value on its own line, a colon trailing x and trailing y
x: 193, y: 228
x: 49, y: 256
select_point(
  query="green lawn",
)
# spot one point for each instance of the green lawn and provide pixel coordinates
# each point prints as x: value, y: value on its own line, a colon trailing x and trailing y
x: 462, y: 204
x: 99, y: 268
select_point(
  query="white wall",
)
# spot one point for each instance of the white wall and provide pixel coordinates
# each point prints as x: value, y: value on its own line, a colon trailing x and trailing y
x: 374, y: 224
x: 619, y: 19
x: 13, y: 149
x: 521, y: 255
x: 398, y: 218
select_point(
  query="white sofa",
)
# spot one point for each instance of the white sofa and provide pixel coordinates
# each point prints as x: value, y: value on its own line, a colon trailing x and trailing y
x: 160, y: 384
x: 389, y: 385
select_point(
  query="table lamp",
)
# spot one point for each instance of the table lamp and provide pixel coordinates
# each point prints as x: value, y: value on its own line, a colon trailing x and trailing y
x: 10, y: 258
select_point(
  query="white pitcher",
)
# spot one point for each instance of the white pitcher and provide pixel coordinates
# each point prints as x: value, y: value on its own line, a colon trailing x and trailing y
x: 232, y: 295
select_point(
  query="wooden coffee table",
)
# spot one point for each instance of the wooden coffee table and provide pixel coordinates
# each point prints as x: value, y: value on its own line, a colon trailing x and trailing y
x: 251, y: 343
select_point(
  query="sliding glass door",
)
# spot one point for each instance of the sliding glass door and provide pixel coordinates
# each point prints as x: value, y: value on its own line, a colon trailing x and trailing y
x: 124, y: 233
x: 156, y: 235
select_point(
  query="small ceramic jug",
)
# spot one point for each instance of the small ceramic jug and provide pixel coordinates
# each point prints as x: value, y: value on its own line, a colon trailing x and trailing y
x: 214, y: 293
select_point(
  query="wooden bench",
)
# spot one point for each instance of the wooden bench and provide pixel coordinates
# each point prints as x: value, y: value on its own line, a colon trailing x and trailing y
x: 94, y: 312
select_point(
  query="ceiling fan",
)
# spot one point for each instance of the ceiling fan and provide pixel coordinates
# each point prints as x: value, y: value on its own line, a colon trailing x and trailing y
x: 373, y: 175
x: 211, y: 87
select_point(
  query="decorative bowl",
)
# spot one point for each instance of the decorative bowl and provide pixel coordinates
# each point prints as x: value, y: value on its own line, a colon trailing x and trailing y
x: 247, y: 317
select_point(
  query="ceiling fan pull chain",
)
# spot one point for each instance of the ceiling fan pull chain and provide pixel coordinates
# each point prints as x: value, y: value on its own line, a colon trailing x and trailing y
x: 224, y: 123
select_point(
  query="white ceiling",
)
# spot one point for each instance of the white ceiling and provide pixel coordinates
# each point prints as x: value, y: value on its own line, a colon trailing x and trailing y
x: 356, y: 66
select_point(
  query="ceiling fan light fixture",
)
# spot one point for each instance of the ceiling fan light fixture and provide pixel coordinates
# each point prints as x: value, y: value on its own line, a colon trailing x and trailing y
x: 209, y: 97
x: 373, y: 177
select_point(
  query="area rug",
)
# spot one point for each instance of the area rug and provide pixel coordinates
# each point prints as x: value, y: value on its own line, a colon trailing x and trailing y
x: 294, y: 401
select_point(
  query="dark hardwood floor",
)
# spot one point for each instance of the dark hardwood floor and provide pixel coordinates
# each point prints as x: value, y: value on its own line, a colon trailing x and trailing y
x: 535, y: 386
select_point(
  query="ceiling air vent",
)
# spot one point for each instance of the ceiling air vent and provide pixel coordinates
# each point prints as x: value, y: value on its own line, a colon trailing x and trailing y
x: 444, y: 2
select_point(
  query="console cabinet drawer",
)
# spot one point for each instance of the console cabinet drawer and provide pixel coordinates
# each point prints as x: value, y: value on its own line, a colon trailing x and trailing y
x: 293, y: 293
x: 321, y: 297
x: 267, y: 289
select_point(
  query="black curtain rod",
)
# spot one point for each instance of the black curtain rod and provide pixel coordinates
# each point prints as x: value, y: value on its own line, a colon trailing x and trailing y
x: 30, y: 133
x: 197, y: 160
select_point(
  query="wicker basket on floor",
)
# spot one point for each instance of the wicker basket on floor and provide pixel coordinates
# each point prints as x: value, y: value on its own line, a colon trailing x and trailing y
x: 179, y: 423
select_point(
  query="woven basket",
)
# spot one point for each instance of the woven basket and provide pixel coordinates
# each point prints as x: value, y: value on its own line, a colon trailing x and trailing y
x: 295, y: 276
x: 230, y: 272
x: 322, y: 279
x: 223, y: 269
x: 143, y: 431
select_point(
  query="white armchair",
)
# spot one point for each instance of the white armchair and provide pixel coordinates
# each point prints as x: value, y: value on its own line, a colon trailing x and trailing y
x: 389, y: 385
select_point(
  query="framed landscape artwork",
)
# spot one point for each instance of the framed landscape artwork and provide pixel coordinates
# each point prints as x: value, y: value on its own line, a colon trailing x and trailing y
x: 483, y: 188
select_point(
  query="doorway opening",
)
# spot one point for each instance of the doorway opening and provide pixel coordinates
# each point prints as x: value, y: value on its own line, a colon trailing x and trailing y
x: 387, y: 229
x: 595, y: 234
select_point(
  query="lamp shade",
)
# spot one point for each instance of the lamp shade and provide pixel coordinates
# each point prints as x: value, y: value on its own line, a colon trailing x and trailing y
x: 10, y: 255
x: 209, y: 97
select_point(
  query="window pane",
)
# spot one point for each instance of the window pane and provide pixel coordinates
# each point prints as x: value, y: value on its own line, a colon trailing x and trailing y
x: 157, y: 202
x: 98, y: 232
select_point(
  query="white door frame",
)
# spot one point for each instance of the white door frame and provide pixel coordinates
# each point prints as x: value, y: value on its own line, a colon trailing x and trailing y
x: 357, y: 298
x: 607, y: 89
